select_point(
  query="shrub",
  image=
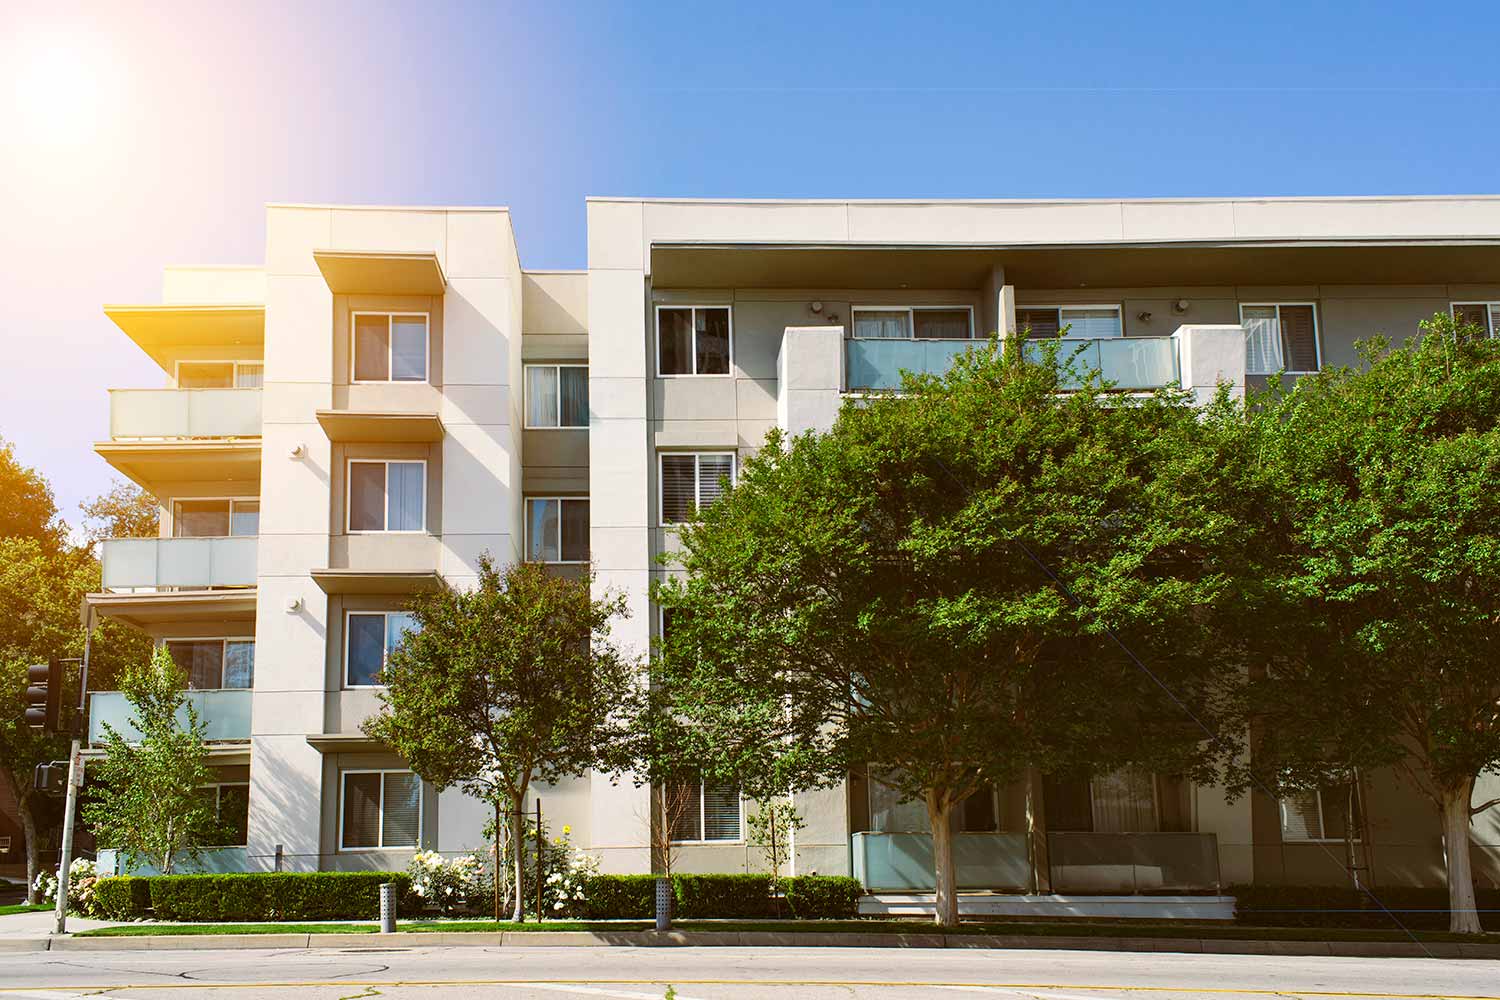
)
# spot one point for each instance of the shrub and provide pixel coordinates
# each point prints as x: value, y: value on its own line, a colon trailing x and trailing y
x: 121, y: 897
x: 722, y: 897
x: 619, y: 897
x: 273, y: 896
x: 83, y: 875
x: 822, y: 897
x: 451, y: 885
x: 1340, y: 906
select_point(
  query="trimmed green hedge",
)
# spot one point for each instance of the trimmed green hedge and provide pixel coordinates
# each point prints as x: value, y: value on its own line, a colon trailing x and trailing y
x: 1341, y: 906
x: 723, y: 897
x: 619, y: 897
x: 822, y: 897
x: 121, y: 897
x: 273, y: 896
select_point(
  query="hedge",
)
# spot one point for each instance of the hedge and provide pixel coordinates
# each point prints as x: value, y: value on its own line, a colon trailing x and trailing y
x: 121, y: 897
x: 619, y: 897
x: 1342, y: 906
x: 822, y: 897
x: 273, y: 896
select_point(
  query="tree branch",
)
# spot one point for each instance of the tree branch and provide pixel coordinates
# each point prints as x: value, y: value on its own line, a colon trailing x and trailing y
x: 1476, y: 810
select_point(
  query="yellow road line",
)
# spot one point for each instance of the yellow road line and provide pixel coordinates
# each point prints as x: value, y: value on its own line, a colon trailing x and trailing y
x: 1216, y: 990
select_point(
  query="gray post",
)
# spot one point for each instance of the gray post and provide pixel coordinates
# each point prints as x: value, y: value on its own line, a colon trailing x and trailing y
x: 387, y: 908
x: 75, y: 778
x: 663, y: 904
x: 278, y: 858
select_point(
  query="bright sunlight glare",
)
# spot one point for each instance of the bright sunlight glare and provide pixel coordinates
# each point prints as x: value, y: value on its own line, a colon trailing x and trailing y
x: 62, y: 82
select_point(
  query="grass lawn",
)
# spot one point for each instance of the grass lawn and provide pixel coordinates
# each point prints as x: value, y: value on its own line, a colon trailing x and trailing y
x: 139, y: 930
x: 23, y: 908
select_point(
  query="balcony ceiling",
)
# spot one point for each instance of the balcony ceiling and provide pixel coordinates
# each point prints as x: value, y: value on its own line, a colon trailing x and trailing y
x: 391, y: 582
x: 345, y: 743
x: 351, y: 272
x: 821, y: 268
x: 380, y: 426
x: 163, y: 332
x: 148, y: 610
x: 149, y: 463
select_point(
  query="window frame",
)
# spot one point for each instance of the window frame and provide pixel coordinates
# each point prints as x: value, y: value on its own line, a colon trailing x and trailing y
x: 1323, y: 837
x: 703, y: 822
x: 911, y: 320
x: 172, y: 514
x: 1119, y: 311
x: 661, y: 492
x: 1492, y: 312
x: 526, y: 508
x: 390, y: 346
x: 349, y: 464
x: 1317, y: 334
x: 234, y: 375
x: 695, y: 373
x: 526, y: 402
x: 382, y: 846
x: 224, y: 641
x: 385, y: 651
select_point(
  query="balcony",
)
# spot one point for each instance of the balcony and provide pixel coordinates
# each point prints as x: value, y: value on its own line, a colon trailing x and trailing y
x: 225, y: 713
x: 873, y: 365
x: 157, y: 414
x: 1107, y: 863
x: 1134, y: 364
x: 155, y: 564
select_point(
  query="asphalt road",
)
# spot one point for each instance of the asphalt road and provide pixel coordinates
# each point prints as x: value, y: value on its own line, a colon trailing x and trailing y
x: 537, y: 973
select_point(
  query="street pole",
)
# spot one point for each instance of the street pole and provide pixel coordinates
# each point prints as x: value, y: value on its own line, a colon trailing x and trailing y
x: 75, y: 778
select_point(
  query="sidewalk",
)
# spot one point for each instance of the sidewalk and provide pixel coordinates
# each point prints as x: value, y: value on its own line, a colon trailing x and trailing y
x: 29, y: 926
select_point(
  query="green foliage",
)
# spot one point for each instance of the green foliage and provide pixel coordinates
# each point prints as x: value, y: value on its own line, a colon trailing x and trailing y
x: 1337, y: 906
x: 930, y: 584
x: 126, y: 511
x: 822, y: 897
x: 273, y: 895
x: 722, y: 896
x: 620, y: 897
x: 147, y: 799
x: 122, y: 897
x: 27, y: 506
x: 512, y: 682
x: 770, y: 827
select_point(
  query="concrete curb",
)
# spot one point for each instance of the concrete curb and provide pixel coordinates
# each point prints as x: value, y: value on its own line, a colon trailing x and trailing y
x: 751, y: 939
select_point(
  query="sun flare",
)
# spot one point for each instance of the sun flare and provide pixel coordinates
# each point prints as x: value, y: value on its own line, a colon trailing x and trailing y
x: 60, y: 88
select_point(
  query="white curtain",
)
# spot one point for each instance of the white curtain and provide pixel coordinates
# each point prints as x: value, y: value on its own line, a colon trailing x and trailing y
x: 880, y: 325
x: 541, y: 396
x: 1092, y: 323
x: 1262, y: 340
x: 1124, y: 802
x: 890, y: 815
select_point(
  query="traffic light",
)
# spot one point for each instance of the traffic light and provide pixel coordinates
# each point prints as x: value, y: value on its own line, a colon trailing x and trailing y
x: 44, y: 684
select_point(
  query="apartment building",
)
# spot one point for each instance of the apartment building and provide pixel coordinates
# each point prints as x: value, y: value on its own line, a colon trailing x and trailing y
x: 390, y: 394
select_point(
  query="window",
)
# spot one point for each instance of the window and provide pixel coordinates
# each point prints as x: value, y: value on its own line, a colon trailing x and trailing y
x: 1485, y: 315
x: 557, y: 396
x: 232, y: 807
x: 692, y: 340
x: 220, y: 374
x: 1123, y: 801
x: 691, y: 481
x: 1319, y: 814
x: 912, y: 323
x: 380, y: 809
x: 1084, y: 322
x: 557, y: 529
x: 390, y: 347
x: 701, y: 811
x: 215, y: 518
x: 369, y: 638
x: 215, y: 664
x: 387, y: 496
x: 1280, y: 337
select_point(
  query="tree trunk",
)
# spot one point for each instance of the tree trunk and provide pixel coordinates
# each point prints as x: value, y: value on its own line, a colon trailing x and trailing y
x: 939, y: 809
x: 1463, y: 913
x: 1036, y: 834
x: 33, y: 847
x: 499, y: 832
x: 518, y: 850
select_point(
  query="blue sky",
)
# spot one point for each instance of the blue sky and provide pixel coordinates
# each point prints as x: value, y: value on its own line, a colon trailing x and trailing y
x: 180, y: 122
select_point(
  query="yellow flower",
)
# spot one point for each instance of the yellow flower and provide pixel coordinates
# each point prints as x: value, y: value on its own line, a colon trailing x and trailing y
x: 567, y: 830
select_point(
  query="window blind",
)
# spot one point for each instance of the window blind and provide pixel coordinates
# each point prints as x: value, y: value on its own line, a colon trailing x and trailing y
x: 679, y: 479
x: 684, y: 809
x: 400, y: 814
x: 721, y: 811
x: 714, y: 472
x: 1092, y: 323
x: 1038, y: 323
x: 1299, y: 338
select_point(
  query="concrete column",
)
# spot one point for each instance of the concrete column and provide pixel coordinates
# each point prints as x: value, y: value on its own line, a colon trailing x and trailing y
x: 1209, y: 356
x: 809, y: 376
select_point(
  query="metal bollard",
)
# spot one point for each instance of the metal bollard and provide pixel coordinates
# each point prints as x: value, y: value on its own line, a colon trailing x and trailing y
x: 663, y: 904
x: 387, y: 908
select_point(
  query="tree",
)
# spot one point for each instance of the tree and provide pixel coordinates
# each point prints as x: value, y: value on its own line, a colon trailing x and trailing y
x: 771, y: 828
x: 508, y: 684
x: 1389, y: 553
x: 126, y: 511
x: 27, y: 508
x: 148, y: 798
x: 936, y: 586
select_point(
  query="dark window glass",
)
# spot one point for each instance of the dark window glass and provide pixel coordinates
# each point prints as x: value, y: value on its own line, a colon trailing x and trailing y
x: 200, y: 519
x: 712, y: 347
x: 201, y: 659
x: 977, y: 814
x: 366, y: 649
x: 1038, y: 322
x: 1299, y: 339
x: 1069, y: 804
x: 574, y: 386
x: 674, y: 335
x: 361, y: 811
x: 575, y: 530
x: 684, y: 810
x: 372, y: 348
x: 366, y: 496
x: 941, y: 324
x: 234, y: 813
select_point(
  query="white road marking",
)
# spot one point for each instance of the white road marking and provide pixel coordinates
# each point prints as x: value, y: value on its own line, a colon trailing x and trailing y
x: 1037, y: 994
x: 601, y: 992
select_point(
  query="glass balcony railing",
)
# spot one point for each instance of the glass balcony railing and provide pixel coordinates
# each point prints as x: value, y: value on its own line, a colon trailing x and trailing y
x: 225, y: 713
x: 872, y: 365
x: 1130, y: 363
x: 146, y: 414
x: 178, y: 563
x: 1080, y: 862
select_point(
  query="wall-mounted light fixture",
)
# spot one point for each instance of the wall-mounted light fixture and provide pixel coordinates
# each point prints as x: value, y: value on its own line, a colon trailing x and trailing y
x: 292, y: 605
x: 297, y: 451
x: 1180, y: 306
x: 1143, y: 316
